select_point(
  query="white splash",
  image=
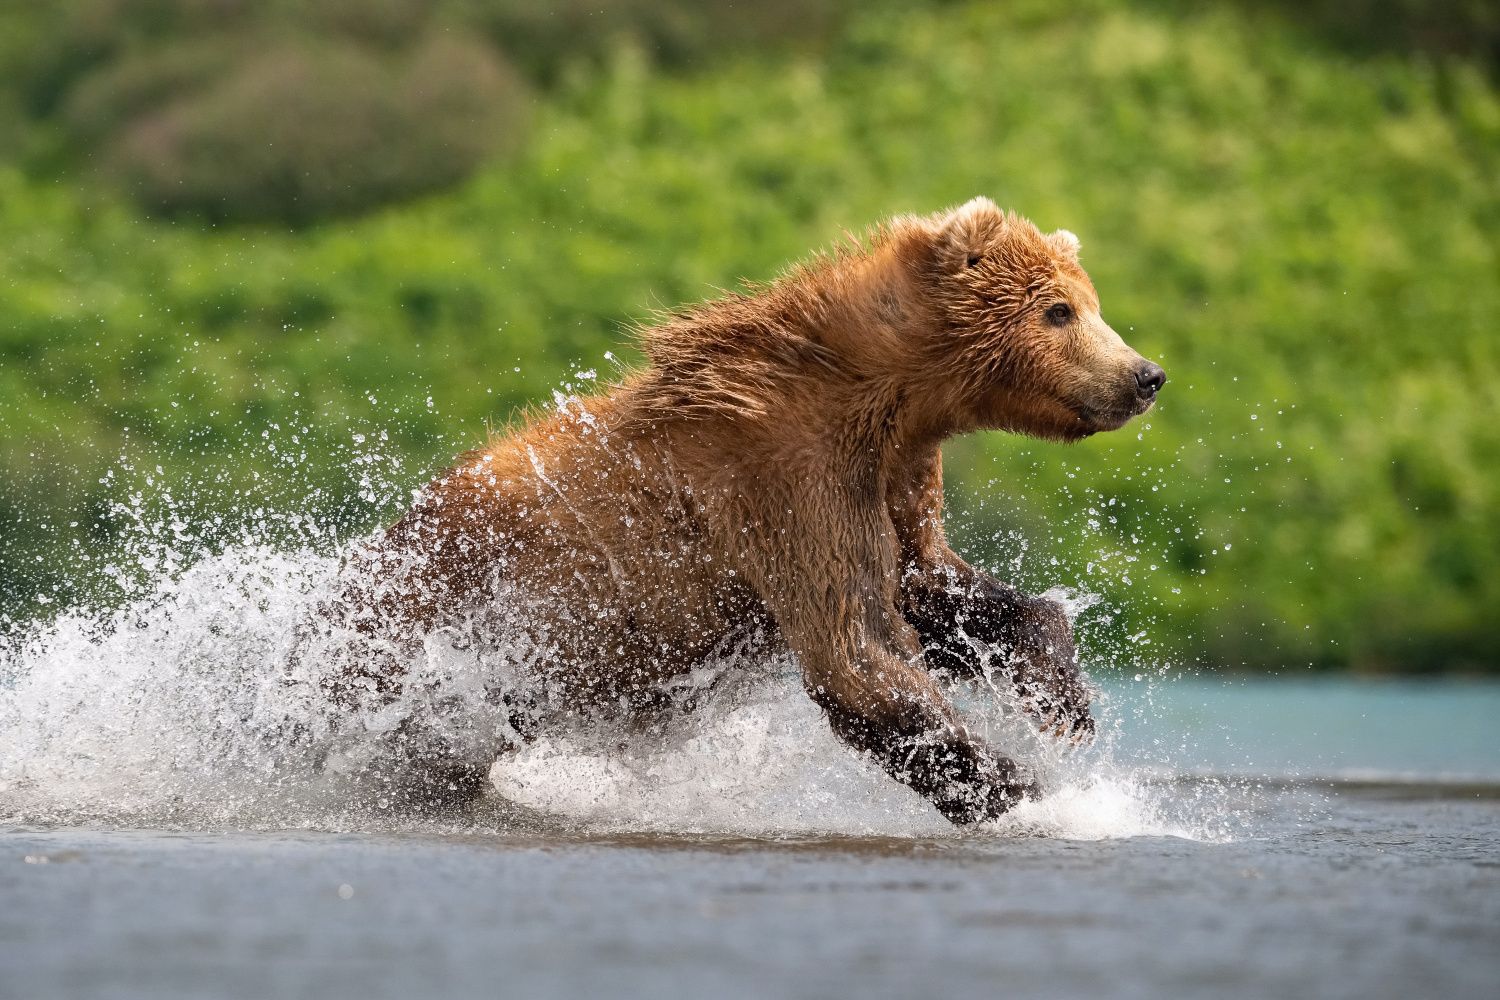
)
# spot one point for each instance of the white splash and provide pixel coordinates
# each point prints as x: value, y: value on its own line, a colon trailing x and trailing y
x: 758, y: 759
x: 193, y: 706
x: 764, y: 762
x: 175, y: 699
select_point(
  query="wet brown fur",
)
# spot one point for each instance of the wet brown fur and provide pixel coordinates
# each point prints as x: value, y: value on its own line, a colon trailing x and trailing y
x: 777, y: 465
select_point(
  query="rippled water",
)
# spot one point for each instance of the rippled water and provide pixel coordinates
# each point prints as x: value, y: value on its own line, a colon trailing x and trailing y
x: 177, y: 819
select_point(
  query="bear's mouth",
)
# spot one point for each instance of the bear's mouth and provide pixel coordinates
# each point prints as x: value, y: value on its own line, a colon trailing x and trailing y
x: 1098, y: 419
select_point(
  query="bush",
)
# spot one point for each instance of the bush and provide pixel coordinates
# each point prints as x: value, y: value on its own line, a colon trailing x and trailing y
x: 297, y: 134
x: 543, y: 35
x: 1439, y: 27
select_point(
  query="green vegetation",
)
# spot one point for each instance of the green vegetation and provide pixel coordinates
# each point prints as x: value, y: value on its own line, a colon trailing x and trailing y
x: 1306, y: 237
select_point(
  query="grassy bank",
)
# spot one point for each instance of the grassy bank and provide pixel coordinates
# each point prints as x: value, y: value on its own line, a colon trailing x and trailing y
x: 1305, y: 239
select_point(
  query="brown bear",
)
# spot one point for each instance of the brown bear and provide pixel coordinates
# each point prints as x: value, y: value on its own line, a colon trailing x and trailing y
x: 775, y: 469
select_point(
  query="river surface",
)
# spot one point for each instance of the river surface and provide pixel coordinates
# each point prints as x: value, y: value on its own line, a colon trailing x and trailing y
x: 1243, y: 839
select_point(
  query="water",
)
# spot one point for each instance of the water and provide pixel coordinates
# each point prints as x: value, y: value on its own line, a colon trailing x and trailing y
x: 1342, y: 895
x: 1400, y: 731
x: 181, y: 815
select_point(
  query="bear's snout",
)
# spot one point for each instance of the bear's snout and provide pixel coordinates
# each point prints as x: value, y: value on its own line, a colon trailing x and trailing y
x: 1149, y: 378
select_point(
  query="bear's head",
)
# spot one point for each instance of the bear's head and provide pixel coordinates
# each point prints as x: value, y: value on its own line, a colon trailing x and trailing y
x: 1017, y: 341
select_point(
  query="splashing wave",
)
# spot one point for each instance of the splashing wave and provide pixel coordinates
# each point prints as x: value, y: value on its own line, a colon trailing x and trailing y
x: 197, y: 704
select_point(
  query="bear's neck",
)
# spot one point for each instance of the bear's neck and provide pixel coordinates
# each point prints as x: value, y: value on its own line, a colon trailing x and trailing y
x: 871, y: 316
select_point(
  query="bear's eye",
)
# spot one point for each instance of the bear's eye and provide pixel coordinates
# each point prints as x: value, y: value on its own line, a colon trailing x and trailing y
x: 1059, y: 314
x: 974, y: 260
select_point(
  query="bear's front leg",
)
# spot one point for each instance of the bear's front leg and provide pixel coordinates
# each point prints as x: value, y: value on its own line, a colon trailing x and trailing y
x: 862, y: 662
x: 879, y: 702
x: 972, y: 625
x: 894, y: 712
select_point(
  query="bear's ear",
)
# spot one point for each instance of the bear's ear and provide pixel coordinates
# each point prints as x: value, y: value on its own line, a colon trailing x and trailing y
x: 967, y: 229
x: 1064, y: 242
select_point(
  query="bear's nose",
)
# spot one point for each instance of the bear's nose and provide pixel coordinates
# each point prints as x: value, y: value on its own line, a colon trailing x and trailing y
x: 1149, y: 379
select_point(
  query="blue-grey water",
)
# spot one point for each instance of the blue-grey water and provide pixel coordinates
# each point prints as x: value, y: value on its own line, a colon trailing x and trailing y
x: 1281, y: 837
x: 1371, y: 730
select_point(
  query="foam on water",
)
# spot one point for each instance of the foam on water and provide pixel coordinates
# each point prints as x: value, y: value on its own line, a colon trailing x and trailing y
x: 197, y: 704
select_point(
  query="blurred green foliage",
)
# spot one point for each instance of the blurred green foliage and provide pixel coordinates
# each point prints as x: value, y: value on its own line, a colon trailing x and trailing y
x: 295, y: 110
x: 1304, y: 237
x: 235, y: 109
x: 1454, y: 27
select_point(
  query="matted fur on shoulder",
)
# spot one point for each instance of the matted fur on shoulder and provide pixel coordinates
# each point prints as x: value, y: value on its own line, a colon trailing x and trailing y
x: 727, y: 356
